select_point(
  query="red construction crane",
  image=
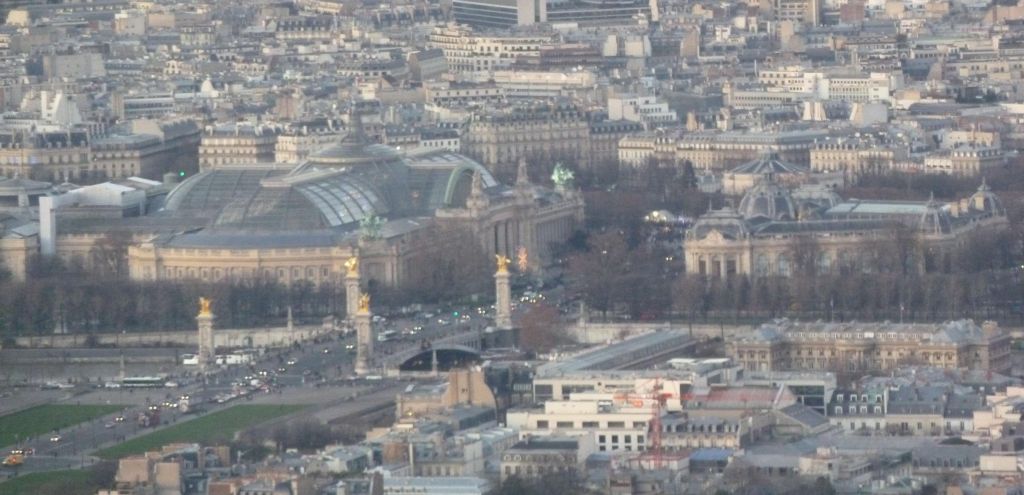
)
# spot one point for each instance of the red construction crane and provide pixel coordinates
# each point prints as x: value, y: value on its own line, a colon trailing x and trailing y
x: 658, y: 397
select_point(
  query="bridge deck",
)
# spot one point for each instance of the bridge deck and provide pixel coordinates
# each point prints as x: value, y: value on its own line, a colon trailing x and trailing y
x: 469, y: 339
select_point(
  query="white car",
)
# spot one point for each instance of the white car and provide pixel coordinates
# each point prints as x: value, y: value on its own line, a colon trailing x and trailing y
x: 56, y: 438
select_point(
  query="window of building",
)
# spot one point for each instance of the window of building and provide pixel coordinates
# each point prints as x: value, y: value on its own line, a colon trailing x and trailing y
x: 616, y: 424
x: 564, y: 424
x: 542, y: 392
x: 542, y: 424
x: 590, y: 424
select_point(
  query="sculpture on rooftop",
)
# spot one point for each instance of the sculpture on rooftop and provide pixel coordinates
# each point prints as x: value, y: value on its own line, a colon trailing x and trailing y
x: 369, y: 227
x: 562, y: 176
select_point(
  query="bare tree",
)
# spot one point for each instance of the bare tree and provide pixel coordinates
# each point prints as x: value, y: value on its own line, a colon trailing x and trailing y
x: 804, y: 251
x: 594, y: 274
x: 110, y: 254
x: 451, y: 264
x: 541, y: 328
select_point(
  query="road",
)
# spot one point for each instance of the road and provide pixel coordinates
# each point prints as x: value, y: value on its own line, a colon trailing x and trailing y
x: 320, y: 373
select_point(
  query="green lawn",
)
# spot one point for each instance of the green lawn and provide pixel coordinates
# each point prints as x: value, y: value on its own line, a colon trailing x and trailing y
x: 40, y: 420
x: 220, y: 426
x: 73, y: 482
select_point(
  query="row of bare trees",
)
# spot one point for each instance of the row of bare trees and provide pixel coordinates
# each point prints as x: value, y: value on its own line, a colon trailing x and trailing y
x: 77, y: 303
x: 892, y: 276
x: 96, y: 295
x: 864, y: 296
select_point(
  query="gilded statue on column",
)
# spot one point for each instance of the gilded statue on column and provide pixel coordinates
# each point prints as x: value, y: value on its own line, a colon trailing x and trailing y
x: 502, y: 263
x: 364, y: 302
x: 204, y: 306
x: 352, y: 264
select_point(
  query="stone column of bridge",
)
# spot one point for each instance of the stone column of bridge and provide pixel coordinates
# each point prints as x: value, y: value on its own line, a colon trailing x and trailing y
x: 351, y: 289
x: 207, y: 355
x: 364, y: 336
x: 503, y: 295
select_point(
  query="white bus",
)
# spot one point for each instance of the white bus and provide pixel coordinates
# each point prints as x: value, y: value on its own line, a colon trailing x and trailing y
x: 387, y: 335
x: 236, y: 357
x: 143, y: 382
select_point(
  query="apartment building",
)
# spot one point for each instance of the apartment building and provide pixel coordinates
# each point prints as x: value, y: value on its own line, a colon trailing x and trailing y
x: 797, y: 11
x: 54, y: 156
x: 150, y: 149
x: 543, y: 84
x: 235, y: 144
x: 964, y: 160
x: 853, y: 158
x: 446, y: 94
x: 301, y: 138
x: 605, y: 136
x: 128, y: 106
x: 644, y: 109
x: 718, y: 150
x: 469, y: 52
x: 611, y: 422
x: 499, y: 138
x: 535, y: 457
x: 637, y: 149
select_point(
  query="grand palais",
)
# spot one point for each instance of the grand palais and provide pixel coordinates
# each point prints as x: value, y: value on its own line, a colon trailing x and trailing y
x: 285, y: 222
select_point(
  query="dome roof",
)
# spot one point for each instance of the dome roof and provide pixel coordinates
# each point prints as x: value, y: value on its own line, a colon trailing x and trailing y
x: 351, y: 153
x: 334, y: 190
x: 204, y: 195
x: 985, y: 201
x: 314, y: 200
x: 354, y: 150
x: 309, y: 198
x: 726, y: 221
x: 767, y: 199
